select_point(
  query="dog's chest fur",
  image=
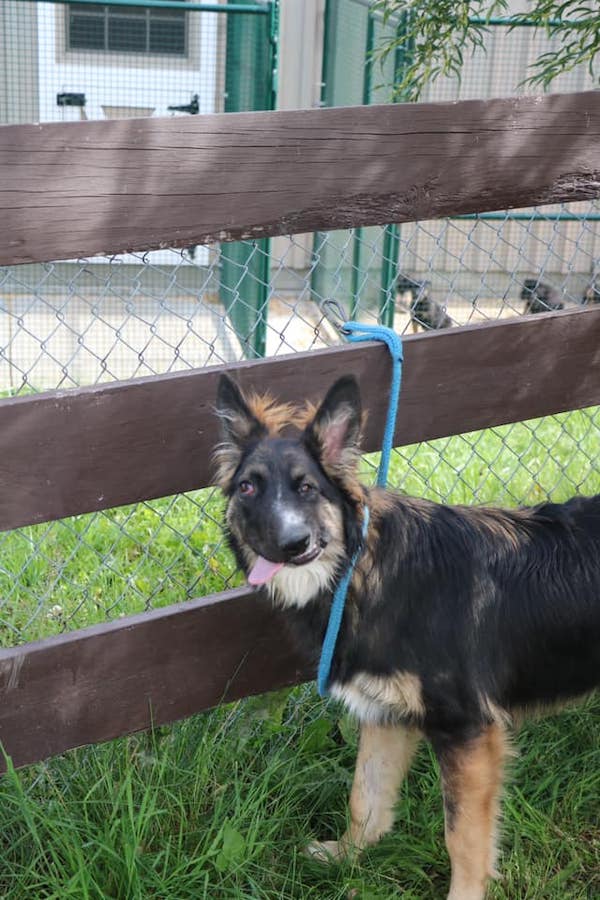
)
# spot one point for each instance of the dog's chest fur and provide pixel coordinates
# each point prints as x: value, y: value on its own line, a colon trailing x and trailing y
x: 390, y: 698
x: 295, y: 586
x: 305, y: 595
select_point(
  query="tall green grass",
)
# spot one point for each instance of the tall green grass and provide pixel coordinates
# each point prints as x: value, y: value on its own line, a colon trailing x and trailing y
x: 220, y: 806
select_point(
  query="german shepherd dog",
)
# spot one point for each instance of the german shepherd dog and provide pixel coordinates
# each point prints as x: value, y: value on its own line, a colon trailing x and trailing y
x: 424, y: 311
x: 457, y: 619
x: 539, y: 297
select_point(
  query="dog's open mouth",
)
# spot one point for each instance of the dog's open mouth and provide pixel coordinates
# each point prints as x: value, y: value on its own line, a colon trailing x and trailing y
x: 264, y: 569
x: 307, y: 557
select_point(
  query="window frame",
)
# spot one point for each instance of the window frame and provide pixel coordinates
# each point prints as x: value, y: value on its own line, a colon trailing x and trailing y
x: 106, y: 10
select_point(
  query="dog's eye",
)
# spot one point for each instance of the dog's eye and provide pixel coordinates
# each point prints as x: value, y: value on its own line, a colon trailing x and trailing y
x: 305, y: 488
x: 246, y: 488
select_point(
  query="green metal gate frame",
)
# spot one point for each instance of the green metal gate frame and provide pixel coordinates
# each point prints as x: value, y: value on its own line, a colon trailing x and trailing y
x: 245, y: 265
x: 391, y: 238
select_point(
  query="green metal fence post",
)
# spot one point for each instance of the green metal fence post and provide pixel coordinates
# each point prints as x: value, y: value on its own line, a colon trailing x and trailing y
x: 318, y: 274
x: 389, y: 275
x: 250, y: 84
x: 327, y: 72
x: 274, y: 43
x: 358, y: 233
x: 352, y: 31
x: 391, y: 238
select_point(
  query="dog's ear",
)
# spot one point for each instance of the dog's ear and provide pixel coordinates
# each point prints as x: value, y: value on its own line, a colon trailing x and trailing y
x: 239, y: 426
x: 334, y: 433
x: 238, y: 423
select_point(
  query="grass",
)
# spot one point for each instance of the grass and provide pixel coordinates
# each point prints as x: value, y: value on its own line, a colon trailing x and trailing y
x: 219, y: 806
x: 83, y: 570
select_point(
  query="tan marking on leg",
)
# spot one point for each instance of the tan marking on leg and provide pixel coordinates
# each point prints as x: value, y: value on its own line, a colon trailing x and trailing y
x: 384, y: 757
x: 472, y: 779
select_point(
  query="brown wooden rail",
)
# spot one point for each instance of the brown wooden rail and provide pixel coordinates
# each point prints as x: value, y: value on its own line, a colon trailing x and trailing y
x: 84, y: 188
x: 69, y: 452
x: 113, y: 679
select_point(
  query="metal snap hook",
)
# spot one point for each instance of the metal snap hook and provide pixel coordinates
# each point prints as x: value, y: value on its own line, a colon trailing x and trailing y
x: 334, y: 314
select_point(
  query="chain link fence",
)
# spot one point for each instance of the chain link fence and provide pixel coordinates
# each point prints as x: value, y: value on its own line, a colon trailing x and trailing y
x: 74, y: 323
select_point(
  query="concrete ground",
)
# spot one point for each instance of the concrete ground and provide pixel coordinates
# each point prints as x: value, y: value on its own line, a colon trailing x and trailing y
x: 58, y: 342
x: 47, y: 343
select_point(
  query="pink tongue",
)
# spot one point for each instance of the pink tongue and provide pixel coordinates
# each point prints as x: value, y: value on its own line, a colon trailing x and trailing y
x: 262, y: 570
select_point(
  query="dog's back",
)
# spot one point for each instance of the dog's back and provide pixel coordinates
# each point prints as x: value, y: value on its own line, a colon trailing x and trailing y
x: 540, y: 629
x: 506, y: 604
x: 549, y: 619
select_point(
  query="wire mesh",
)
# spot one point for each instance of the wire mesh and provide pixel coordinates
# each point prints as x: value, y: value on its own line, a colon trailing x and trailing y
x: 74, y: 323
x: 68, y: 61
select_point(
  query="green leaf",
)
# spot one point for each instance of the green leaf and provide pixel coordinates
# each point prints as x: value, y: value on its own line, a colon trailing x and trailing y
x: 348, y: 729
x: 317, y: 737
x: 436, y: 34
x: 233, y: 850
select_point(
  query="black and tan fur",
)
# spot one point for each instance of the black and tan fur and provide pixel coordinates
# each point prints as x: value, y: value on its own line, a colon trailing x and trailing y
x: 539, y: 297
x: 424, y: 311
x: 457, y: 618
x: 591, y: 295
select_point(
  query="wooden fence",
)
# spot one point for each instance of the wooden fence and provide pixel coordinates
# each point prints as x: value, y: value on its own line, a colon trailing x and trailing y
x: 78, y: 189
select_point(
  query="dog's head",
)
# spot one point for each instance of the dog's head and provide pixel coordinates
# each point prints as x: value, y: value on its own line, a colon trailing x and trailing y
x: 534, y: 288
x: 294, y: 501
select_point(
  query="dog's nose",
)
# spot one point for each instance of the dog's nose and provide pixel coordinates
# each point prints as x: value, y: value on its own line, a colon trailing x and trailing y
x: 295, y: 543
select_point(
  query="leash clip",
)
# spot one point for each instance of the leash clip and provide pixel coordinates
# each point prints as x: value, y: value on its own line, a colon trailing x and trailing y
x: 334, y: 314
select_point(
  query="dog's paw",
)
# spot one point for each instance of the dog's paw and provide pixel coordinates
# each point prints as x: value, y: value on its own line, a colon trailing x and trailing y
x: 326, y: 852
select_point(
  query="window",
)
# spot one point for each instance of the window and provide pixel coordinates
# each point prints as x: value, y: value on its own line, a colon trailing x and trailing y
x: 126, y: 29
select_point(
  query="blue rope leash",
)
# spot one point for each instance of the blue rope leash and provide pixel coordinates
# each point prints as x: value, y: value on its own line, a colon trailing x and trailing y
x: 336, y: 614
x: 356, y: 332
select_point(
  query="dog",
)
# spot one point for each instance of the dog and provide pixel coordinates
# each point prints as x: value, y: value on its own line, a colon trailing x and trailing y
x: 424, y: 311
x: 539, y: 297
x: 591, y: 295
x: 458, y: 619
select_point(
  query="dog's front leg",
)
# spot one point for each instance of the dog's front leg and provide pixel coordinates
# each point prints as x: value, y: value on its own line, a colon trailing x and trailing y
x: 384, y: 757
x: 472, y: 778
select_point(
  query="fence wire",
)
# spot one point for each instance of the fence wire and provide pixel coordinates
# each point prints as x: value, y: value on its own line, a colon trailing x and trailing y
x: 82, y: 323
x: 74, y: 323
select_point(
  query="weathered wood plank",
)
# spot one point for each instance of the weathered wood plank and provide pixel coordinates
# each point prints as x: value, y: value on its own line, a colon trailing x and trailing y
x: 84, y: 188
x: 113, y: 679
x: 76, y: 451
